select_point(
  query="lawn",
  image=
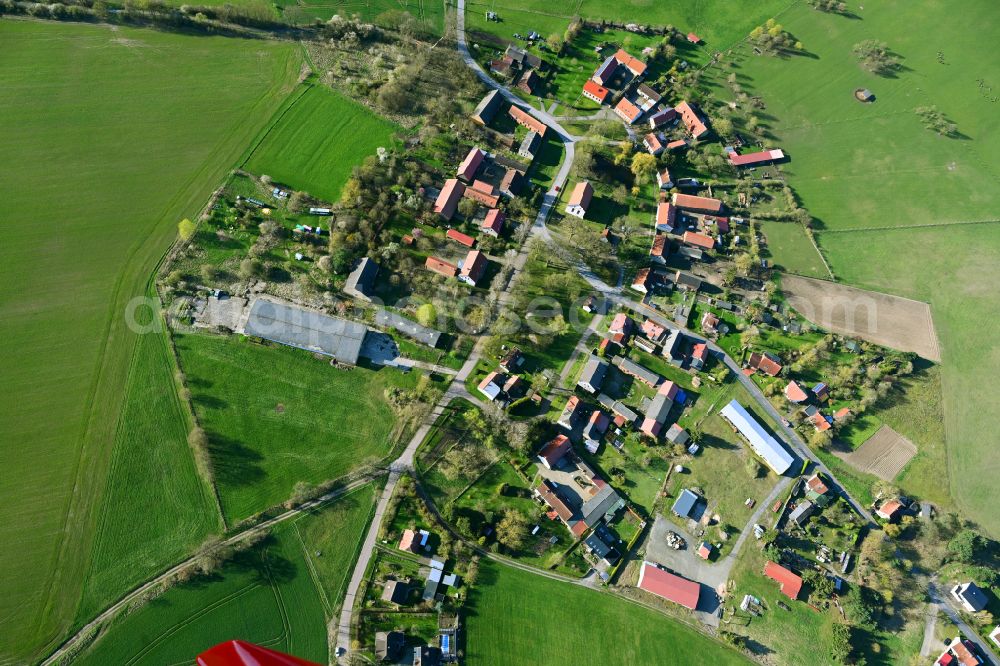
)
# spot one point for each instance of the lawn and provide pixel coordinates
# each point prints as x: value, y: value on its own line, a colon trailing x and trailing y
x: 318, y: 140
x: 276, y: 416
x: 108, y: 138
x: 789, y: 242
x: 278, y: 594
x: 155, y: 507
x: 875, y: 167
x: 541, y: 621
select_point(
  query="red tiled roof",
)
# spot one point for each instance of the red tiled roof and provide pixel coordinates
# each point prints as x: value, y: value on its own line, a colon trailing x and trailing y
x: 550, y: 497
x: 700, y: 351
x: 633, y: 65
x: 889, y: 509
x: 652, y: 330
x: 659, y: 248
x: 699, y: 240
x: 816, y: 485
x: 841, y: 413
x: 522, y: 117
x: 795, y: 393
x: 756, y: 158
x: 791, y: 583
x: 474, y: 265
x: 666, y: 214
x: 494, y: 221
x: 709, y: 321
x: 467, y: 169
x: 676, y: 143
x: 820, y: 421
x: 693, y: 38
x: 446, y: 201
x: 964, y: 654
x: 620, y: 323
x: 627, y: 110
x: 695, y: 125
x: 441, y: 266
x: 669, y: 389
x: 764, y: 363
x: 464, y: 239
x: 408, y: 540
x: 694, y: 202
x: 582, y: 194
x: 641, y: 277
x: 669, y: 586
x: 594, y: 89
x: 652, y: 142
x: 554, y: 450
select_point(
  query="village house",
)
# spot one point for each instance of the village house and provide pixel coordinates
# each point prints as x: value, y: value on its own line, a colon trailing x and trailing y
x: 595, y: 91
x: 593, y: 375
x: 696, y: 239
x: 676, y: 435
x: 686, y: 281
x: 441, y: 267
x: 889, y: 510
x: 650, y: 96
x: 525, y: 119
x: 790, y: 582
x: 699, y: 355
x: 361, y: 281
x: 692, y: 119
x: 653, y: 145
x: 426, y: 655
x: 801, y: 513
x: 653, y: 331
x: 666, y: 217
x: 395, y: 592
x: 605, y: 72
x: 766, y: 362
x: 633, y: 65
x: 621, y: 324
x: 820, y: 422
x: 677, y: 144
x: 529, y: 146
x: 483, y: 192
x: 523, y: 58
x: 570, y: 413
x: 816, y: 489
x: 467, y: 169
x: 502, y: 66
x: 696, y: 203
x: 579, y: 199
x: 709, y: 323
x: 460, y: 238
x: 644, y: 280
x: 662, y: 117
x: 389, y: 645
x: 821, y: 391
x: 686, y: 504
x: 528, y: 81
x: 473, y: 268
x: 659, y: 408
x: 493, y: 223
x: 669, y: 586
x: 627, y: 111
x: 511, y: 183
x: 487, y: 109
x: 794, y: 393
x: 959, y: 652
x: 659, y: 249
x: 596, y: 426
x: 414, y: 541
x: 512, y: 360
x: 640, y: 372
x: 553, y: 451
x: 447, y: 200
x: 492, y: 385
x: 664, y: 180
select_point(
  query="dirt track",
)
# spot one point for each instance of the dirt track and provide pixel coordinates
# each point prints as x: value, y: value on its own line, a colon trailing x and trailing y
x: 891, y: 321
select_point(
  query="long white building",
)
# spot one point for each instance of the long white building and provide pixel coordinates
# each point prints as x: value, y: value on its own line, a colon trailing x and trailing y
x: 765, y: 446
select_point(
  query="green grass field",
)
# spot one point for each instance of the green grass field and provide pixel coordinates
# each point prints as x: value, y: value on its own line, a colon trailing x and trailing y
x: 430, y: 14
x: 788, y: 240
x: 317, y: 142
x: 875, y: 167
x: 278, y: 594
x: 155, y: 508
x: 109, y: 137
x: 276, y: 416
x: 515, y: 617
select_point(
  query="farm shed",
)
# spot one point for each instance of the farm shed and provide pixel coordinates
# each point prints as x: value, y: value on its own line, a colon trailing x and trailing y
x: 765, y: 446
x: 297, y: 327
x: 407, y: 327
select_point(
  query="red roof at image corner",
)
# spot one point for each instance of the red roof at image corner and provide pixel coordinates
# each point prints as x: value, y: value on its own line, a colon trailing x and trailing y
x: 665, y: 584
x: 458, y: 236
x: 791, y: 583
x: 241, y: 653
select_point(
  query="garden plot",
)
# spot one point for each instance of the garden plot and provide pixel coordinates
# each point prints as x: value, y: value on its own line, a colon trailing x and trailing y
x: 884, y: 454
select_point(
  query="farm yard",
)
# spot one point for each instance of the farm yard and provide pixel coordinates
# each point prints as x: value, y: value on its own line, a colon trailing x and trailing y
x: 539, y: 620
x: 138, y: 129
x: 872, y: 175
x: 278, y: 593
x: 317, y: 140
x: 275, y: 416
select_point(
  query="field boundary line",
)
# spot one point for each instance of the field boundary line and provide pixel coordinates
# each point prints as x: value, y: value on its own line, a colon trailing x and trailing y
x: 313, y: 574
x: 249, y: 153
x: 928, y: 225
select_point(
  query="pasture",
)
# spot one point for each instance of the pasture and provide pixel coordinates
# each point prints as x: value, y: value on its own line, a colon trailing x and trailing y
x: 318, y: 140
x: 537, y: 620
x: 109, y: 137
x: 873, y: 178
x: 789, y: 250
x: 278, y: 594
x: 276, y: 416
